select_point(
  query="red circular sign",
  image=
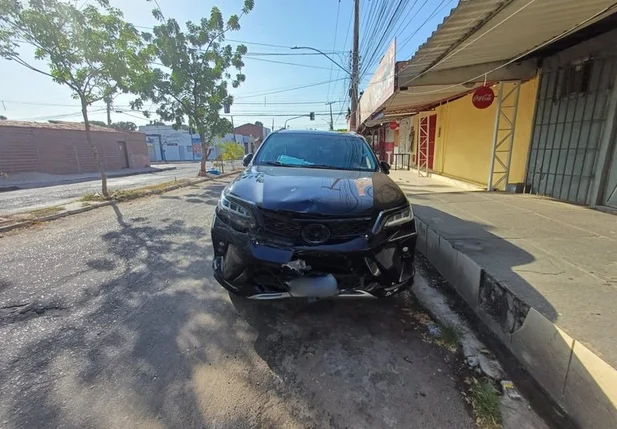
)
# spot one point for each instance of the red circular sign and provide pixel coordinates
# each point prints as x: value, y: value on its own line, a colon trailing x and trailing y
x: 483, y: 97
x: 393, y: 125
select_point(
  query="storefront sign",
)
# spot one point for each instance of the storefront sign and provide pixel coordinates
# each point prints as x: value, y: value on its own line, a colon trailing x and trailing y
x: 483, y: 97
x: 381, y: 86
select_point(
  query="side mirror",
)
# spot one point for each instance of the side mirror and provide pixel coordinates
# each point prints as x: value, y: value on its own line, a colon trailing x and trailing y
x: 385, y: 167
x: 247, y: 159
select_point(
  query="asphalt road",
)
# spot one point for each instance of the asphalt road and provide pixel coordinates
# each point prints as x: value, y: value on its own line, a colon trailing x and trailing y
x: 111, y: 319
x: 35, y: 198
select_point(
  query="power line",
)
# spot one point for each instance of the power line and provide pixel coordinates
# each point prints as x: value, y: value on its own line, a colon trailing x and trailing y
x: 67, y: 115
x: 135, y: 116
x: 286, y: 89
x: 286, y: 54
x: 286, y: 63
x: 338, y: 11
x: 274, y: 103
x: 159, y: 8
x: 283, y: 104
x: 338, y: 72
x: 395, y: 14
x: 244, y: 42
x: 438, y: 9
x: 513, y: 60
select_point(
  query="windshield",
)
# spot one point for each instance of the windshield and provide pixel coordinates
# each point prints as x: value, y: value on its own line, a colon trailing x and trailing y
x: 337, y: 152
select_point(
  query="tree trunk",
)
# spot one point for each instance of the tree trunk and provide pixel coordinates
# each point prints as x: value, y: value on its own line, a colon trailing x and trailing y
x: 97, y: 158
x: 204, y: 154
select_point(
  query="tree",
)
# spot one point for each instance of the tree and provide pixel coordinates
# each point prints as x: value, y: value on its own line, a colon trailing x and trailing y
x: 194, y: 81
x: 3, y: 118
x: 99, y: 123
x: 231, y: 151
x: 259, y: 123
x: 124, y: 126
x: 91, y: 49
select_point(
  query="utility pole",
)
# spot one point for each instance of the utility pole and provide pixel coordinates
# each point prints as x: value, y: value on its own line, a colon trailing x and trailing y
x: 233, y: 128
x: 355, y: 60
x: 108, y: 102
x: 331, y: 117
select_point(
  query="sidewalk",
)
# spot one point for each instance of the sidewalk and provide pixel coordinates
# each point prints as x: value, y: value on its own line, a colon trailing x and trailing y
x: 540, y: 273
x: 39, y: 180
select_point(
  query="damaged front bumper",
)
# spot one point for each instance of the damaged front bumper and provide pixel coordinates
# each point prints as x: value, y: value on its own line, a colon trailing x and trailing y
x: 263, y: 266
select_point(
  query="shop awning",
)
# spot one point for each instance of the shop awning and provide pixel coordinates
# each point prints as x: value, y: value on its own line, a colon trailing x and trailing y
x: 483, y: 40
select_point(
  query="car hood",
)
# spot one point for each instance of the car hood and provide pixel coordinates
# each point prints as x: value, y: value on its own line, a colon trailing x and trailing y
x: 318, y: 191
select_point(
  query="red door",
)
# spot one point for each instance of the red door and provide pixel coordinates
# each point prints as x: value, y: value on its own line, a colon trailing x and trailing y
x: 426, y: 147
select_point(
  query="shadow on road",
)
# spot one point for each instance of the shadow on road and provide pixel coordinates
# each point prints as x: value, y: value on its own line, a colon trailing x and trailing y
x: 160, y: 345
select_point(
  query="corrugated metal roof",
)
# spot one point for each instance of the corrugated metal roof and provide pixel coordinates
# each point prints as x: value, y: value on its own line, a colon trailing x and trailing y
x: 76, y: 126
x: 483, y: 31
x: 462, y: 21
x: 479, y: 32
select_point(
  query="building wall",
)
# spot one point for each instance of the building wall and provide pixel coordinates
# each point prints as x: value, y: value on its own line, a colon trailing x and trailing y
x: 571, y: 148
x: 66, y: 151
x: 177, y: 145
x: 463, y: 140
x: 252, y: 130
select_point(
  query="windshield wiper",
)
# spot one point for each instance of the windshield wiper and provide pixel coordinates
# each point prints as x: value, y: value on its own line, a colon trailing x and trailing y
x: 321, y: 166
x: 277, y: 163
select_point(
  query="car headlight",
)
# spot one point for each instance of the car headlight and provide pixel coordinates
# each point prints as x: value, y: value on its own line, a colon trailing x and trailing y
x: 399, y: 218
x: 235, y: 213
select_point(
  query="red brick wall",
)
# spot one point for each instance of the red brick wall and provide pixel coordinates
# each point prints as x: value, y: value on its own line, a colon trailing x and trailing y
x: 59, y: 151
x: 250, y: 130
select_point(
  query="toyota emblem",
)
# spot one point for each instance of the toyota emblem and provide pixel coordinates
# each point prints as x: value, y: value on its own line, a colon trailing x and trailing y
x: 315, y: 233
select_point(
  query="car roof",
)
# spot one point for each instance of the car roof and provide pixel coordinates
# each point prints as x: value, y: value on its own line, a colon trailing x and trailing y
x: 317, y: 132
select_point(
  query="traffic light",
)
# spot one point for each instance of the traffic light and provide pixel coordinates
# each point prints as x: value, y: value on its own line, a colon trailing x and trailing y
x: 312, y: 116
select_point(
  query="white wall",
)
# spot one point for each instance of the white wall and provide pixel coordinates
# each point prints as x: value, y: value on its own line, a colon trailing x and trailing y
x: 178, y: 144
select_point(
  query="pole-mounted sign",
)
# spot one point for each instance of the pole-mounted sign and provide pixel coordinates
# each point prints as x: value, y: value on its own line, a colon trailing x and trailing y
x: 483, y: 97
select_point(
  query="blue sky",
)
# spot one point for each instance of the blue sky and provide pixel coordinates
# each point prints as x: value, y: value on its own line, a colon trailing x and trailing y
x: 26, y: 95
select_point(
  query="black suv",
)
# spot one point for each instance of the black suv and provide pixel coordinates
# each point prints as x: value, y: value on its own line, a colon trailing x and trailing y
x: 314, y: 215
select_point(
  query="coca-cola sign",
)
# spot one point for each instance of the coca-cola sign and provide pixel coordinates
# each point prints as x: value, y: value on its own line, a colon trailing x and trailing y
x: 483, y: 97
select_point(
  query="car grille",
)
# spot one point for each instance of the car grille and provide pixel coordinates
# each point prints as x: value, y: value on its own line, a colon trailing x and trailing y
x: 290, y: 227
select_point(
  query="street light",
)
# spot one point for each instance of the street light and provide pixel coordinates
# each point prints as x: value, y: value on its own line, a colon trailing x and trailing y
x: 325, y: 55
x: 291, y: 119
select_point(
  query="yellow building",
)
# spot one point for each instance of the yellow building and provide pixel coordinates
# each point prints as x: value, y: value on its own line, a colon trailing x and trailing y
x: 464, y: 136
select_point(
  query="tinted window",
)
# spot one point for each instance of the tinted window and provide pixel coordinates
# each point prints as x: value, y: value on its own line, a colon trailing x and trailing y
x: 337, y: 152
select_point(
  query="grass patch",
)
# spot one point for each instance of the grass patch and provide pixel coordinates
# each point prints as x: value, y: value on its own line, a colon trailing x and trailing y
x: 130, y: 194
x: 486, y: 402
x: 450, y: 336
x: 47, y: 211
x: 92, y: 197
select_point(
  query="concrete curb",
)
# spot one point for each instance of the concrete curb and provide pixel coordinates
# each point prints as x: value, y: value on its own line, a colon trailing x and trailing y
x: 573, y: 376
x: 96, y: 205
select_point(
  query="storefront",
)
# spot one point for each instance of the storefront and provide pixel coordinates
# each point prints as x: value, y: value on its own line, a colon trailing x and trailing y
x: 573, y: 152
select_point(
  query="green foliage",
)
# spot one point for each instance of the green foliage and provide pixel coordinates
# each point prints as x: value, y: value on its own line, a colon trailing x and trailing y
x: 486, y: 404
x: 3, y: 118
x: 90, y: 49
x: 193, y: 82
x: 99, y: 123
x: 124, y: 126
x: 231, y: 151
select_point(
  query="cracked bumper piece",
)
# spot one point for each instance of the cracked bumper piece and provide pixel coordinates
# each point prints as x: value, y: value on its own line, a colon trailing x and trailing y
x: 265, y: 267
